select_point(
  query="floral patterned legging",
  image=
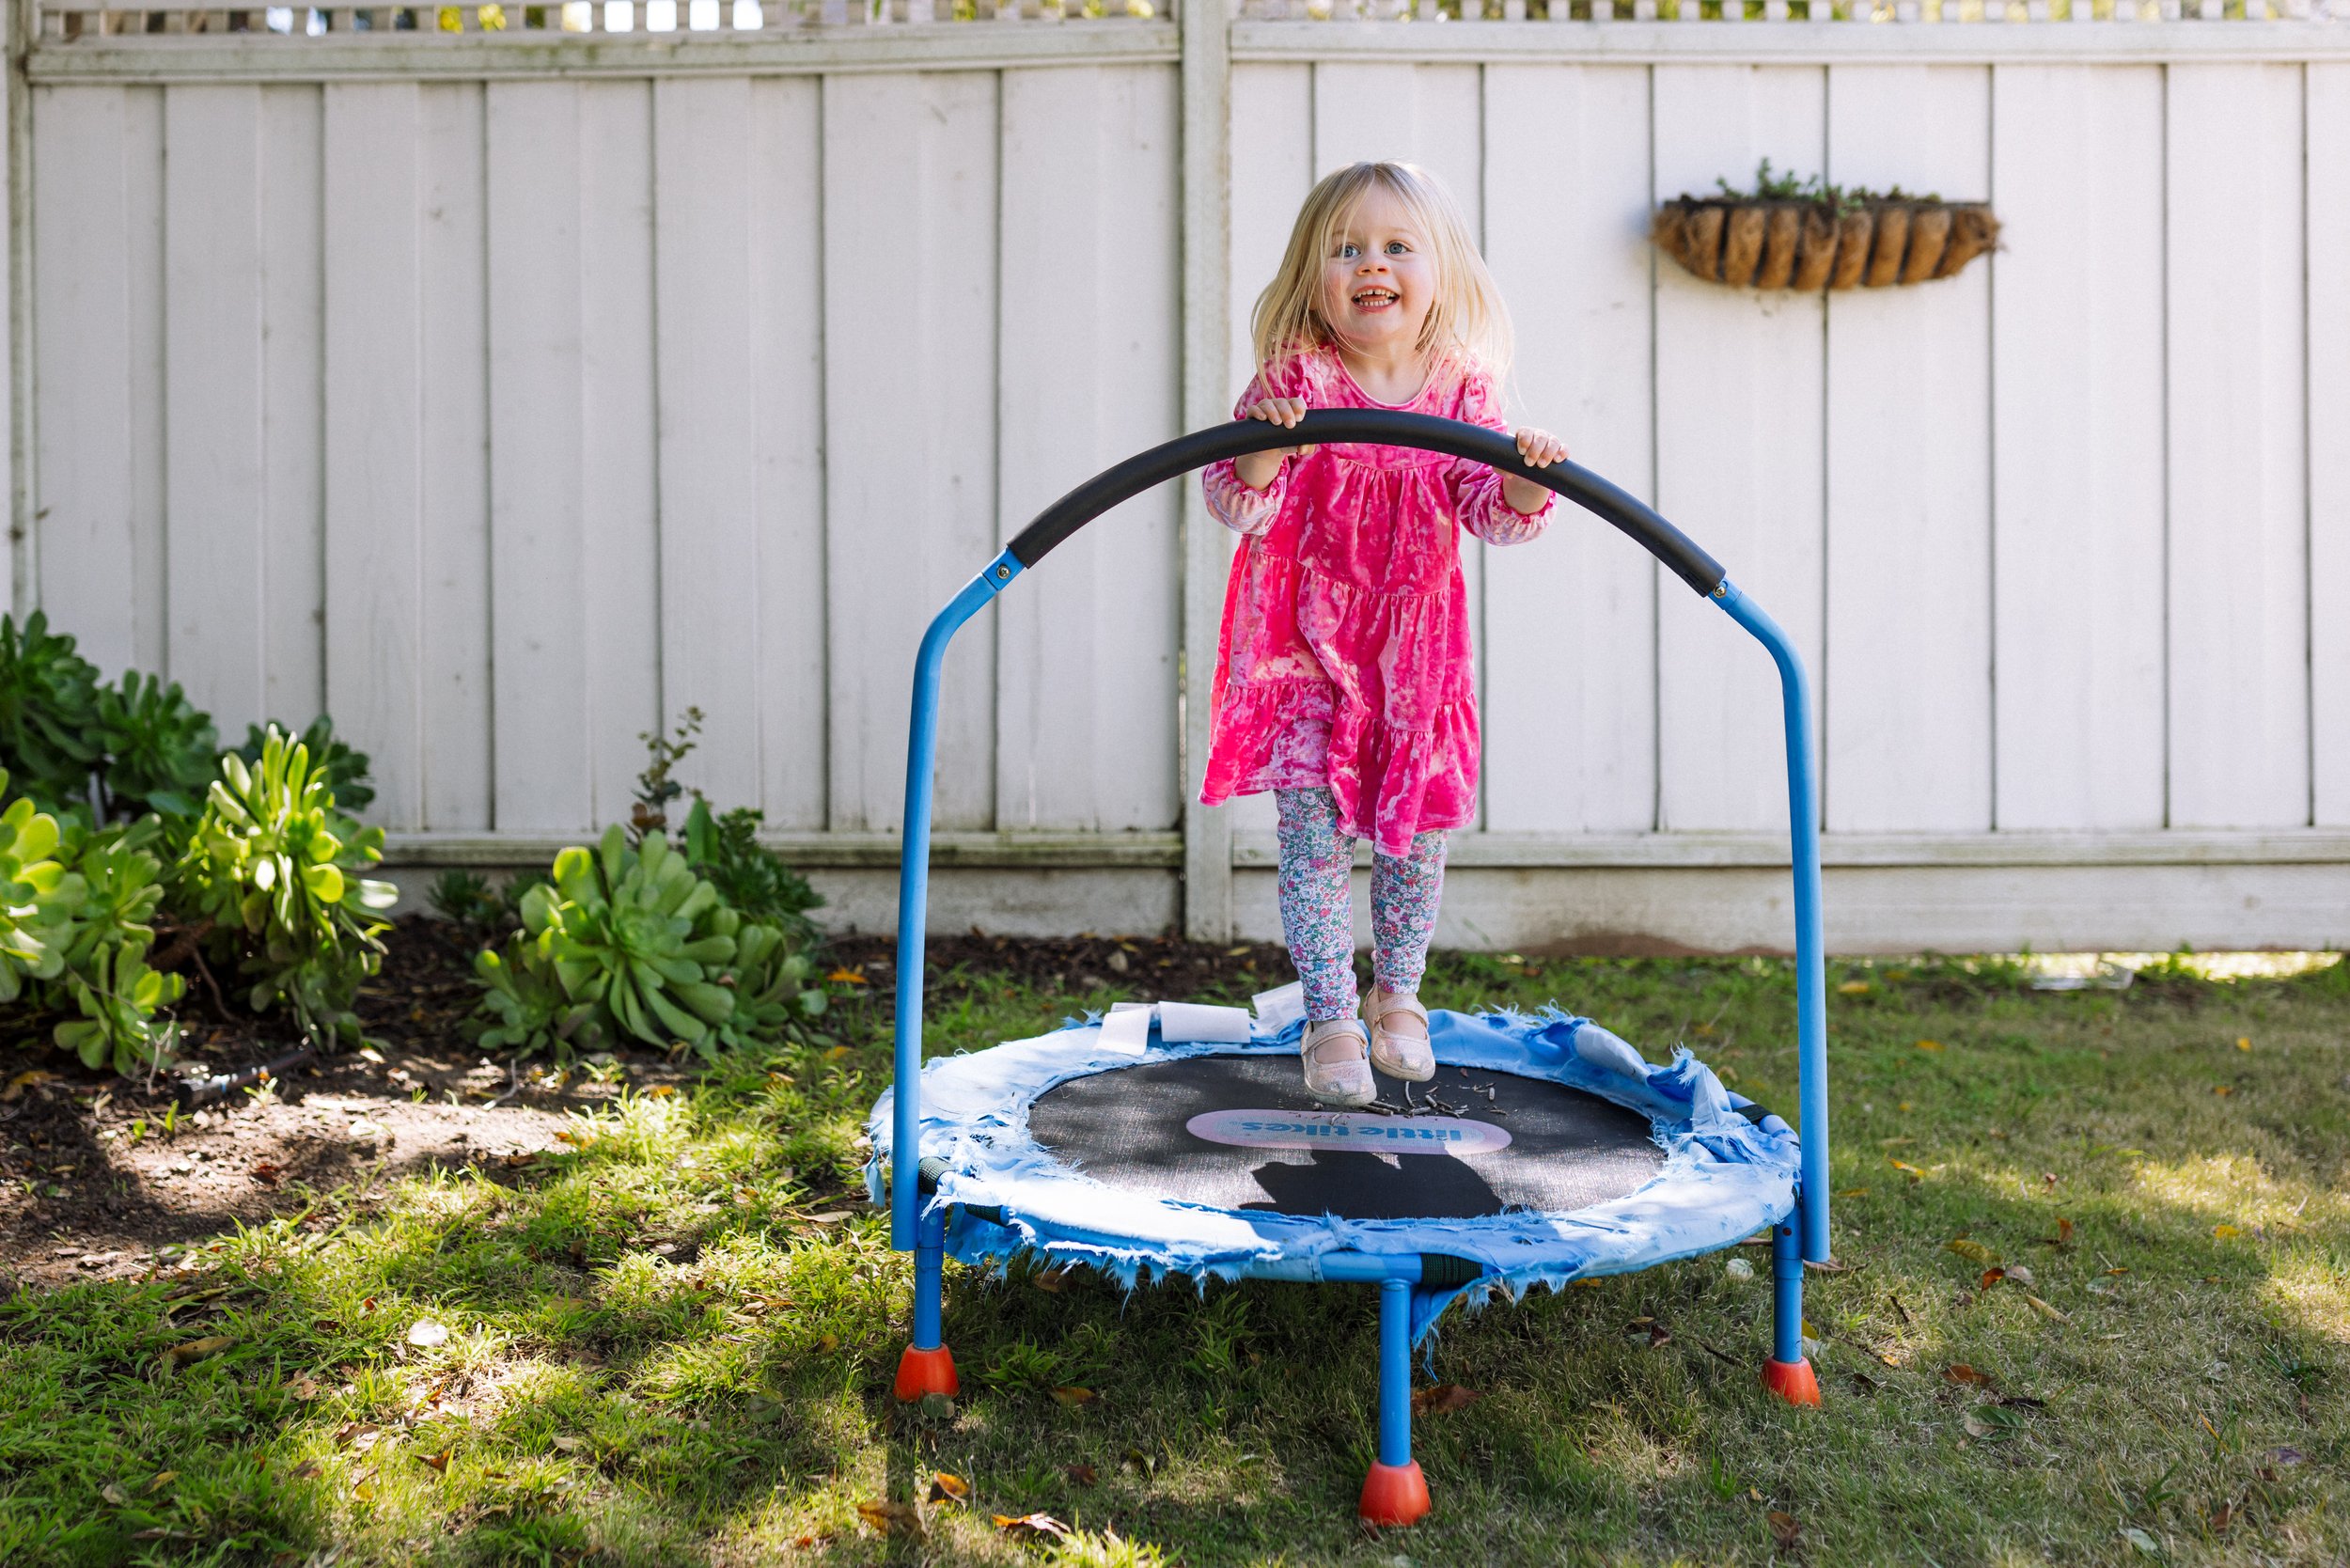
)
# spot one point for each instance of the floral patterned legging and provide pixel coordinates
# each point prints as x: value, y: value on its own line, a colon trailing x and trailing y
x: 1318, y: 909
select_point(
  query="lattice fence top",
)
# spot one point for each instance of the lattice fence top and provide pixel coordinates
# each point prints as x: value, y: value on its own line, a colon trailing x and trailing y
x: 66, y: 20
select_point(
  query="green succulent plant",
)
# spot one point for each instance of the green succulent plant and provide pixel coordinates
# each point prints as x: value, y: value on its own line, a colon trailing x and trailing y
x: 633, y: 943
x: 273, y: 865
x: 30, y: 881
x: 157, y: 748
x: 109, y: 896
x: 346, y: 769
x: 48, y: 696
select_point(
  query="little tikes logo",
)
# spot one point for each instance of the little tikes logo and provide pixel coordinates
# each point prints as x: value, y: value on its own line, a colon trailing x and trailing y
x: 1375, y: 1135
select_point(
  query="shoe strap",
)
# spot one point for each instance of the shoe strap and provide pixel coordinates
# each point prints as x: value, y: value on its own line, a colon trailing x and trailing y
x: 1399, y: 1001
x: 1322, y: 1033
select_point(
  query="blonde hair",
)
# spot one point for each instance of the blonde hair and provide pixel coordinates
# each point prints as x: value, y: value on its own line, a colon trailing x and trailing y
x: 1466, y: 316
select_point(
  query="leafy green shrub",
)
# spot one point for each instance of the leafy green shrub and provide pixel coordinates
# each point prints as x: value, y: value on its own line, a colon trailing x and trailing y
x: 759, y: 883
x: 271, y: 866
x: 156, y: 749
x: 48, y: 696
x: 466, y: 899
x: 630, y: 942
x: 346, y: 770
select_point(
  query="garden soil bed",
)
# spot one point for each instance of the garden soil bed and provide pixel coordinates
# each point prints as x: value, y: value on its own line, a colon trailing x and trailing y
x: 85, y: 1195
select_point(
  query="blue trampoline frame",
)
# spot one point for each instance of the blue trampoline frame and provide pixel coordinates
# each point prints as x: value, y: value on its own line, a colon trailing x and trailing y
x: 1395, y: 1493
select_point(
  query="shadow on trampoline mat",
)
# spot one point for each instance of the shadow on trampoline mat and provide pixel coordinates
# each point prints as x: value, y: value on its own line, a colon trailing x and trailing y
x: 1126, y: 1129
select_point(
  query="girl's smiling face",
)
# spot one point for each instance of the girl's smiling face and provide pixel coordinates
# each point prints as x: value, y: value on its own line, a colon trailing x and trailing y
x: 1379, y: 278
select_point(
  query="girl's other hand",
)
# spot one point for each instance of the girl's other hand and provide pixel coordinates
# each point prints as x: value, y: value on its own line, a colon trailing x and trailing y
x: 1540, y: 448
x: 1258, y: 469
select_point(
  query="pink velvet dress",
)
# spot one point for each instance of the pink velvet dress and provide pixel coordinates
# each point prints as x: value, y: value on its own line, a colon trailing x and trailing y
x: 1345, y: 660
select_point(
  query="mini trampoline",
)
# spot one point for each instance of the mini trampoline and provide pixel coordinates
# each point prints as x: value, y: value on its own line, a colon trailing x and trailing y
x: 1545, y: 1151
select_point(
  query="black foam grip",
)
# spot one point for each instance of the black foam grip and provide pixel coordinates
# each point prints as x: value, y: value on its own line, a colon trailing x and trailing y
x: 1372, y: 428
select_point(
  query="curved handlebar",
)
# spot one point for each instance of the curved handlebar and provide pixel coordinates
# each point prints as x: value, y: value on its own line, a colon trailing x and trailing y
x: 1371, y: 427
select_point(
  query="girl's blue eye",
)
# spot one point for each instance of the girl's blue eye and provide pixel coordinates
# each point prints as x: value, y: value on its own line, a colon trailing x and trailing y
x: 1347, y: 251
x: 1397, y: 247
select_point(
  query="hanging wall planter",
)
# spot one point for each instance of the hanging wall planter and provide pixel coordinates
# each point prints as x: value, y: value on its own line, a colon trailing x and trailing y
x: 1811, y: 235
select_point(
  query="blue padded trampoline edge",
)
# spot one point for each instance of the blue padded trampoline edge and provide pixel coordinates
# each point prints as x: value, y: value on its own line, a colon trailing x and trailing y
x: 1724, y: 1178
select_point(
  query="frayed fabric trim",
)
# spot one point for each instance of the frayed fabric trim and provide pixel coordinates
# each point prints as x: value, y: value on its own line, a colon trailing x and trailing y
x: 1723, y: 1179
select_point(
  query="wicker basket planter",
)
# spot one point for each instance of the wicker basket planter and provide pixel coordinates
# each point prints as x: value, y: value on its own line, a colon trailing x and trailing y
x: 1815, y: 244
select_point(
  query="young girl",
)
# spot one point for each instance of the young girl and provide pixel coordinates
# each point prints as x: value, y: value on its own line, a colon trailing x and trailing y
x: 1343, y: 682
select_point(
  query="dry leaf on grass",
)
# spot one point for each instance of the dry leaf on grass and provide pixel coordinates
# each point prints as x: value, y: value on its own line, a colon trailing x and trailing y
x: 439, y: 1461
x: 1444, y: 1399
x: 1032, y: 1527
x: 1074, y: 1397
x: 1990, y: 1277
x: 1785, y: 1528
x: 1929, y: 1044
x: 948, y: 1487
x: 424, y: 1333
x: 1906, y: 1168
x: 847, y: 977
x: 2045, y: 1310
x: 115, y: 1495
x: 1081, y: 1475
x: 196, y: 1350
x: 162, y: 1480
x: 1973, y: 1251
x: 1962, y: 1373
x: 892, y: 1518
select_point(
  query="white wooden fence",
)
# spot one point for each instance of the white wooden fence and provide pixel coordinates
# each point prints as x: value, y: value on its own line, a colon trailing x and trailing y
x: 505, y: 393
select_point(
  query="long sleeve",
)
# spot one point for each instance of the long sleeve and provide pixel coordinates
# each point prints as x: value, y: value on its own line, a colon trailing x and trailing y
x: 1237, y: 507
x: 1477, y: 498
x: 1234, y: 505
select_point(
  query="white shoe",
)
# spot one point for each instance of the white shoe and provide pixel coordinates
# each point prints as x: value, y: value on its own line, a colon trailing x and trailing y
x: 1337, y: 1069
x: 1395, y: 1052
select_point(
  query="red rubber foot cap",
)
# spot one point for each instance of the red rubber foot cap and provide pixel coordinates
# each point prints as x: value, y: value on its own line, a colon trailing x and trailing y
x: 1395, y: 1495
x: 933, y: 1371
x: 1793, y: 1381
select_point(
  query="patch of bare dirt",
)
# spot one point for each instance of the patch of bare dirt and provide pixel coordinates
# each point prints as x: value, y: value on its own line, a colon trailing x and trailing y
x: 101, y: 1176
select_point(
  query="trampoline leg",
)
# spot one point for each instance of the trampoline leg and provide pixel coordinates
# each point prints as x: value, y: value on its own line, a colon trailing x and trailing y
x: 1787, y: 1373
x: 1395, y: 1493
x: 928, y: 1367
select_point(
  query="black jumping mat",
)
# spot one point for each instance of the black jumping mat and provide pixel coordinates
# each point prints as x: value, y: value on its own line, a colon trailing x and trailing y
x: 1127, y: 1128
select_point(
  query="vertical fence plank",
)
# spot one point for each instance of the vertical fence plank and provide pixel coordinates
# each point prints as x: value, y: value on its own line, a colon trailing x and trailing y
x: 96, y: 301
x: 1570, y: 621
x: 1428, y: 115
x: 213, y: 397
x: 788, y: 348
x: 910, y: 294
x: 1739, y: 387
x: 1273, y: 168
x: 710, y: 656
x: 2238, y: 622
x: 2327, y: 132
x: 2076, y: 365
x: 546, y: 629
x: 1906, y: 718
x: 374, y: 435
x: 1086, y: 725
x: 619, y: 529
x: 457, y: 750
x: 292, y: 284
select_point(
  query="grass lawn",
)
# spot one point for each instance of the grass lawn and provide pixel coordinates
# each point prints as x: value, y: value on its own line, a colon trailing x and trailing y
x: 672, y: 1344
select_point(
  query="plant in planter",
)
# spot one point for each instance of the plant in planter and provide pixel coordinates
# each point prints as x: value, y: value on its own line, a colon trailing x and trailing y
x: 1807, y: 234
